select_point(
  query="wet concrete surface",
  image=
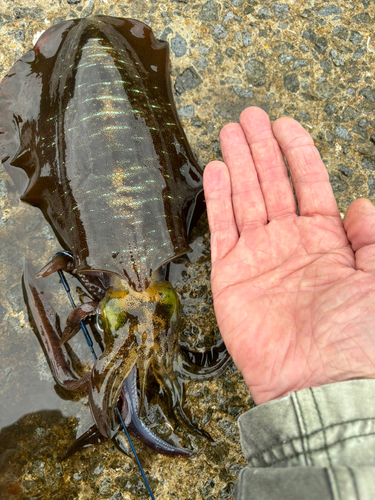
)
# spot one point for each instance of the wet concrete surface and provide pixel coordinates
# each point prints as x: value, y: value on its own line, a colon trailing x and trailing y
x: 308, y: 60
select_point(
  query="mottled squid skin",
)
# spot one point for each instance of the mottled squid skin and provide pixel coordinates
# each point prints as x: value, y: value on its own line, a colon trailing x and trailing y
x: 90, y: 134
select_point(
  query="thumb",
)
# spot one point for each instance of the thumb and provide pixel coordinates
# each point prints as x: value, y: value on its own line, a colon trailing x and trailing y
x: 359, y: 225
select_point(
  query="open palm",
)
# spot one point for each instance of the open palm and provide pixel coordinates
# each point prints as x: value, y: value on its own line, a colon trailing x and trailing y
x: 294, y: 295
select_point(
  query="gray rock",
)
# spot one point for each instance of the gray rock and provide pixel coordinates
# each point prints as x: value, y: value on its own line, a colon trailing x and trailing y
x: 256, y: 72
x: 325, y: 91
x: 264, y: 14
x: 371, y: 185
x: 228, y: 16
x: 4, y: 20
x: 326, y: 65
x: 305, y: 116
x: 285, y: 58
x: 362, y: 18
x: 299, y: 64
x: 243, y: 93
x: 349, y: 114
x: 291, y: 82
x: 203, y: 50
x: 201, y: 63
x: 105, y: 488
x: 73, y: 2
x: 337, y: 59
x: 237, y: 3
x: 338, y: 184
x: 33, y: 12
x: 341, y: 32
x: 305, y: 85
x: 219, y: 32
x: 165, y: 34
x: 208, y: 12
x: 359, y: 52
x: 355, y: 37
x: 246, y: 38
x: 360, y: 131
x: 186, y: 111
x: 342, y: 133
x: 329, y: 10
x: 348, y: 172
x: 116, y: 496
x: 363, y: 123
x: 187, y: 80
x: 329, y: 109
x: 230, y: 52
x: 19, y: 36
x: 368, y: 93
x: 178, y: 45
x: 309, y: 35
x: 219, y: 58
x: 281, y: 11
x: 368, y: 163
x: 304, y: 47
x: 320, y: 45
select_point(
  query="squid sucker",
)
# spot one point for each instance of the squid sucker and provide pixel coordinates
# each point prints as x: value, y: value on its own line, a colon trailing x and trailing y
x: 90, y: 135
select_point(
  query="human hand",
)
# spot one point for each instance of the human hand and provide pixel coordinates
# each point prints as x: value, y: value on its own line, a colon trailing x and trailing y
x: 294, y: 295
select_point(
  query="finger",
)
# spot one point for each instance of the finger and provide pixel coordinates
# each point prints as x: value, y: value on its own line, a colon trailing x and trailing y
x: 309, y: 175
x: 247, y: 198
x: 218, y: 194
x: 269, y: 163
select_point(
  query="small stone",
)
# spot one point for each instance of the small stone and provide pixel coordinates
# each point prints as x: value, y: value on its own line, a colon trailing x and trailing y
x: 368, y: 163
x: 349, y: 114
x: 187, y: 80
x: 228, y: 17
x: 105, y: 488
x: 201, y: 63
x: 320, y: 45
x: 305, y: 85
x: 237, y: 3
x: 362, y: 18
x: 219, y: 32
x: 219, y: 58
x: 299, y: 64
x: 264, y: 14
x: 229, y: 52
x: 256, y: 72
x: 359, y: 52
x: 208, y: 12
x: 368, y: 93
x: 178, y: 45
x: 281, y: 11
x: 116, y: 496
x: 73, y: 2
x: 329, y: 10
x: 19, y: 36
x: 186, y: 111
x: 325, y: 91
x: 363, y: 123
x: 348, y: 172
x: 291, y: 82
x: 203, y: 50
x: 165, y: 34
x: 285, y: 58
x: 243, y: 93
x: 326, y: 65
x: 342, y: 133
x: 338, y: 184
x: 246, y: 38
x: 355, y: 37
x: 341, y: 32
x: 305, y: 116
x: 77, y: 477
x: 33, y: 12
x: 4, y: 20
x: 98, y: 470
x: 309, y: 35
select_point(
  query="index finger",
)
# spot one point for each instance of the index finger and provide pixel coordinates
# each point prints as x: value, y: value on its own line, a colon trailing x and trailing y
x: 309, y: 175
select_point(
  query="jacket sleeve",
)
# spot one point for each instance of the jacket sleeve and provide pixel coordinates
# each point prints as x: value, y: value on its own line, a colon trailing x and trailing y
x: 314, y: 444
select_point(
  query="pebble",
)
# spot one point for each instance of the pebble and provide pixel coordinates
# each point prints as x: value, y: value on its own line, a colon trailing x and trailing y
x: 186, y: 111
x: 329, y: 10
x: 342, y: 133
x: 208, y: 12
x: 337, y: 59
x: 291, y: 82
x: 256, y: 72
x: 219, y: 32
x: 281, y: 11
x: 178, y: 45
x: 187, y: 80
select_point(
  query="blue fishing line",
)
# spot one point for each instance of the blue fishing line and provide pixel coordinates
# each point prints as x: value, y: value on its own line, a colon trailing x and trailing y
x: 90, y: 344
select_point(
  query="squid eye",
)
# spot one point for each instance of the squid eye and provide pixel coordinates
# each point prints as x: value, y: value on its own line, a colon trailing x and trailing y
x: 99, y: 323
